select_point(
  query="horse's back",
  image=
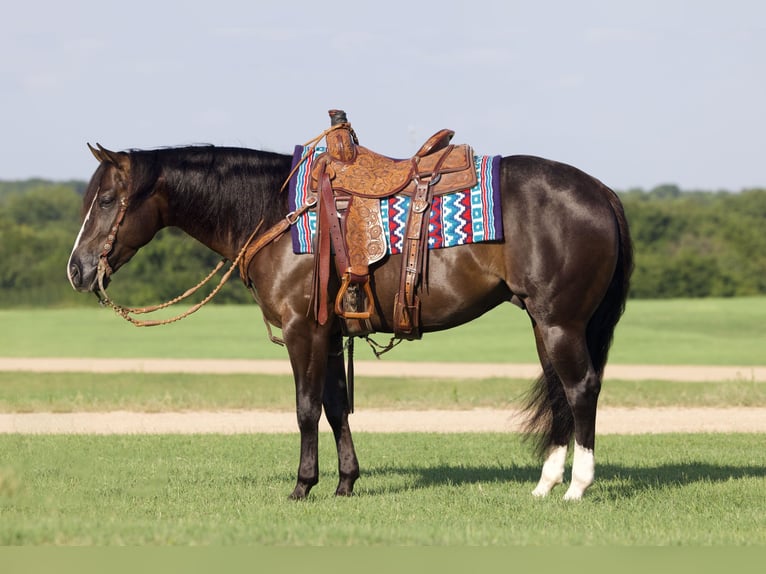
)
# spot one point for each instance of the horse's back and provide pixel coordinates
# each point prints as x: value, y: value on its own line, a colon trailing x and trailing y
x: 536, y: 185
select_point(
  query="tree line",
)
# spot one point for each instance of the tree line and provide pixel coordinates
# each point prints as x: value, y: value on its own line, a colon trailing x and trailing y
x: 696, y: 243
x: 39, y: 221
x: 687, y: 244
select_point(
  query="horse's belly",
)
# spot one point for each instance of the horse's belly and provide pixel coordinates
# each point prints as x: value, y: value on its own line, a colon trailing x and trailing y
x: 462, y: 283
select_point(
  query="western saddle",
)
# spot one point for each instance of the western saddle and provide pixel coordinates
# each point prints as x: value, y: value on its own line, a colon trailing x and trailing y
x: 349, y: 181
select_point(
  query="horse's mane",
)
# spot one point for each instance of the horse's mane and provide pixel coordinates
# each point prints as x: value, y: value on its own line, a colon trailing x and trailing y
x: 231, y: 188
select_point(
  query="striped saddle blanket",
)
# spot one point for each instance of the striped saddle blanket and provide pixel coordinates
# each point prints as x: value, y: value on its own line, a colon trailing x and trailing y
x: 468, y: 216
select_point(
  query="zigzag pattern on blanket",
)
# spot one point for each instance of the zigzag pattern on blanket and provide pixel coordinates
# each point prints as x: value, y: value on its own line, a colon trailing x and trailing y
x: 469, y: 216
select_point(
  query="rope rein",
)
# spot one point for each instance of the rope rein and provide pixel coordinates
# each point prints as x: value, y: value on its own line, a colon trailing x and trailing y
x: 126, y: 312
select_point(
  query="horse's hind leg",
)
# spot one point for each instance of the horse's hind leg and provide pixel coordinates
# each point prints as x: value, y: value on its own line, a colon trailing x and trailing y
x: 553, y: 419
x: 568, y: 354
x: 336, y: 409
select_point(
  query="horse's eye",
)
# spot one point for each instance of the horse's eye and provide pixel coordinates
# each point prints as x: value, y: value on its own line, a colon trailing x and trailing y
x: 107, y: 198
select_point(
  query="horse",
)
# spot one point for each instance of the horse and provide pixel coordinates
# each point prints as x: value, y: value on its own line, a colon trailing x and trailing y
x: 566, y: 260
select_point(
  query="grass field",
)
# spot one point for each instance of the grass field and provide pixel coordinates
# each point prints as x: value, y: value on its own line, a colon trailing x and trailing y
x: 417, y: 489
x: 688, y: 331
x: 70, y: 392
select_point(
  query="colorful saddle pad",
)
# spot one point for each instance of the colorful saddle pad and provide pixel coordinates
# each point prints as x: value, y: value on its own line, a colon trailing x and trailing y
x: 469, y: 216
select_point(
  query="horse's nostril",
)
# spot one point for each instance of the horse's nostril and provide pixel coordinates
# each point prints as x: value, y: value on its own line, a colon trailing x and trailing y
x: 74, y: 275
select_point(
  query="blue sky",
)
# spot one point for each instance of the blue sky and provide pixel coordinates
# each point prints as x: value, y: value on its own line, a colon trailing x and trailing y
x: 636, y: 93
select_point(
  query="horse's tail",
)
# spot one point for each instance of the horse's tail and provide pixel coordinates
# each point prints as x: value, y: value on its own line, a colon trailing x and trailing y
x: 547, y: 405
x: 600, y: 330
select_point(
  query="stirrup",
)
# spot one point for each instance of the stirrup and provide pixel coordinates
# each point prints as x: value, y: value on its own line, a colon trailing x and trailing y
x: 345, y: 282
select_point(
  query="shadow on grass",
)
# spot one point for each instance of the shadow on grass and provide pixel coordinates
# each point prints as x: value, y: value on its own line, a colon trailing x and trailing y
x: 614, y: 481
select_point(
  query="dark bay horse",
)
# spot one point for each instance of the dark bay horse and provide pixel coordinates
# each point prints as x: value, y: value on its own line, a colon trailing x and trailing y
x: 566, y: 260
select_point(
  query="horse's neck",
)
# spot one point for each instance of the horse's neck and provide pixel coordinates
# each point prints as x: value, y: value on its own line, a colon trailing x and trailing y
x: 226, y: 222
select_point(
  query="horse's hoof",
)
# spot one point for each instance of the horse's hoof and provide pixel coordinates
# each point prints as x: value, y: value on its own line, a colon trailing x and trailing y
x: 545, y: 486
x: 540, y: 492
x: 346, y: 486
x: 574, y: 493
x: 300, y: 493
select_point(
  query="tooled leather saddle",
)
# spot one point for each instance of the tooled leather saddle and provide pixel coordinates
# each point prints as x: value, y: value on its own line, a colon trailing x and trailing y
x: 349, y: 180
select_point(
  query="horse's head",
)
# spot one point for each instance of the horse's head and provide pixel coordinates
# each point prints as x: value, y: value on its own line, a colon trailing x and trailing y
x: 119, y: 217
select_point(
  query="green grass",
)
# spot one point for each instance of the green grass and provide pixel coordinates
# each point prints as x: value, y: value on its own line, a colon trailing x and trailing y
x: 677, y: 331
x: 69, y: 392
x: 420, y: 489
x: 692, y: 331
x: 416, y: 489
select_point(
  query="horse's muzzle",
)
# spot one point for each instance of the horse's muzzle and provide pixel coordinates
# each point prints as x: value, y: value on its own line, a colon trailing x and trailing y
x: 83, y: 278
x: 75, y: 275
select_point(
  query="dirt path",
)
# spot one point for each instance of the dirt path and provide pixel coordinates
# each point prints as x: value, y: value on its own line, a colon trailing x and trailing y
x: 381, y: 368
x: 610, y: 420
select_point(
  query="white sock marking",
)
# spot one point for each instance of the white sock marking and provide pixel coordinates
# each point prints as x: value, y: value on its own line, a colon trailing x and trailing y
x: 583, y: 471
x: 553, y: 470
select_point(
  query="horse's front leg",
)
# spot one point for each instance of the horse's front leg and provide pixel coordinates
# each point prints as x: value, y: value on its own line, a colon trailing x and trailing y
x: 307, y: 344
x: 336, y: 410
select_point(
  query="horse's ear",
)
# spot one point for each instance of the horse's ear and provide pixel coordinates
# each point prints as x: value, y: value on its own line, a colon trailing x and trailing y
x: 119, y: 159
x: 96, y: 153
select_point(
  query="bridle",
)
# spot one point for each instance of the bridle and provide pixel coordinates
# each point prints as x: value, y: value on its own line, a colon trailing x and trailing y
x: 104, y: 269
